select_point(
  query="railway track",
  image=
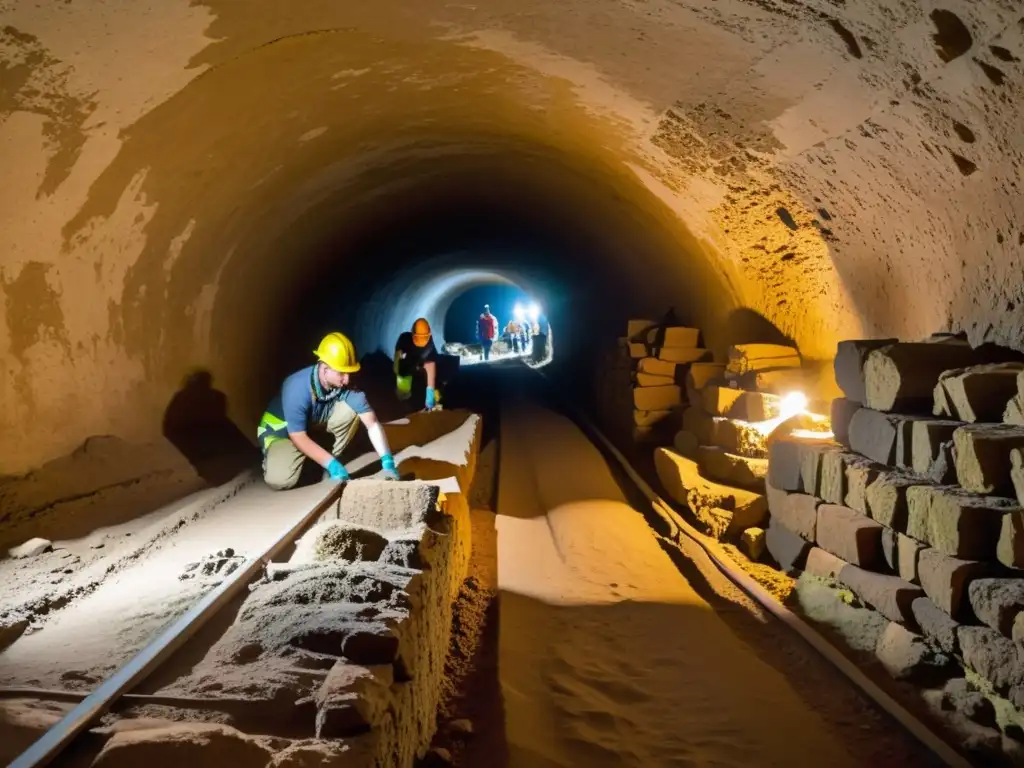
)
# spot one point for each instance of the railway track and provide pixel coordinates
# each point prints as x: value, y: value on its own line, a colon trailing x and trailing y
x: 89, y: 707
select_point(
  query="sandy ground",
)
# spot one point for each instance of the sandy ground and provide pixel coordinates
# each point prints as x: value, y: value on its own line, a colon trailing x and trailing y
x: 607, y: 655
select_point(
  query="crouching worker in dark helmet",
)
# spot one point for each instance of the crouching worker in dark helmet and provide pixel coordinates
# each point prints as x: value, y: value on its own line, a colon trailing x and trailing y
x: 415, y: 352
x: 319, y: 396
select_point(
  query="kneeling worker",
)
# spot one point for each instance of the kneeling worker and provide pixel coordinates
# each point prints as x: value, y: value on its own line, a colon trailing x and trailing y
x: 319, y: 395
x: 415, y: 351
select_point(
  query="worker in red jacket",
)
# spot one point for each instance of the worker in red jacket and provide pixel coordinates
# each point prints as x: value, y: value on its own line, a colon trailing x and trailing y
x: 486, y: 330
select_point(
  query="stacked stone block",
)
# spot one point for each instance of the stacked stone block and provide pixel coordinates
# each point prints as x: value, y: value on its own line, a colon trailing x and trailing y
x: 917, y: 504
x: 719, y: 459
x: 643, y: 393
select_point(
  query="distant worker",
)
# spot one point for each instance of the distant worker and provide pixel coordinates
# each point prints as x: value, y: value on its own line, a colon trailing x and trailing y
x: 486, y: 330
x: 513, y: 334
x: 415, y: 352
x: 319, y: 395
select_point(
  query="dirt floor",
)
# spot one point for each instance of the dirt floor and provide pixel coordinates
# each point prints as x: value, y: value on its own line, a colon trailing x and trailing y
x: 579, y: 637
x: 582, y: 641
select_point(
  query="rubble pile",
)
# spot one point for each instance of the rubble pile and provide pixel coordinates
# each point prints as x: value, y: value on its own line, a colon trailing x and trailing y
x: 642, y: 392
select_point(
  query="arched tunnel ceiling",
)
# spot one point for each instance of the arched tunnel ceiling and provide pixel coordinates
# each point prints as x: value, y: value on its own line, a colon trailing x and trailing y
x: 176, y: 172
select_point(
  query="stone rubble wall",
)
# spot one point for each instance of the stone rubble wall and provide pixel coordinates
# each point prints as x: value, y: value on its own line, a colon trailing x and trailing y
x: 350, y: 636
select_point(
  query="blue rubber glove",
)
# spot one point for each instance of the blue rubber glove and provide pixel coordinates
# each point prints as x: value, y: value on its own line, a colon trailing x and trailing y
x: 387, y: 462
x: 431, y: 399
x: 337, y: 471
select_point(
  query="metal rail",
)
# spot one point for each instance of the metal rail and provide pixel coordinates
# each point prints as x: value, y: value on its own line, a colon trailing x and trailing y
x: 51, y: 743
x: 918, y: 729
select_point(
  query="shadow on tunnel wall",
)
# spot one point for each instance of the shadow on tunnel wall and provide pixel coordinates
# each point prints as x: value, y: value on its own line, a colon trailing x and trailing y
x: 196, y: 422
x: 745, y: 326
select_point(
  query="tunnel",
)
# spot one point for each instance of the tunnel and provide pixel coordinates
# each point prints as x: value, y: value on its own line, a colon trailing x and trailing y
x: 196, y: 191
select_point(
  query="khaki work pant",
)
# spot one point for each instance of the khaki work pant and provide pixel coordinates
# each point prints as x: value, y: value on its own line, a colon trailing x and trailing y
x: 283, y: 462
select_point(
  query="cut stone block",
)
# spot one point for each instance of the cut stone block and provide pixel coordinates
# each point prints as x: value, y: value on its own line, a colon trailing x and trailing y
x: 835, y: 467
x: 755, y: 357
x: 353, y: 699
x: 653, y: 380
x: 752, y: 543
x: 997, y: 602
x: 1017, y: 631
x: 902, y: 376
x: 982, y: 457
x: 784, y: 464
x: 385, y: 505
x: 699, y: 423
x: 842, y: 414
x: 1010, y: 549
x: 787, y: 548
x: 1014, y: 413
x: 686, y: 444
x: 908, y: 551
x: 849, y: 365
x: 636, y: 330
x: 849, y: 535
x: 811, y: 461
x: 994, y: 657
x: 945, y: 580
x: 906, y: 656
x: 798, y: 512
x: 682, y: 354
x: 824, y: 564
x: 859, y: 477
x: 650, y: 418
x: 740, y: 404
x: 656, y: 367
x: 976, y: 394
x: 637, y: 350
x: 780, y: 381
x: 656, y: 398
x: 738, y: 437
x: 936, y: 624
x: 931, y: 449
x: 956, y: 522
x: 886, y: 498
x: 1017, y: 473
x: 675, y: 336
x: 725, y: 467
x: 721, y: 510
x: 891, y: 596
x: 890, y: 549
x: 699, y: 374
x: 873, y: 434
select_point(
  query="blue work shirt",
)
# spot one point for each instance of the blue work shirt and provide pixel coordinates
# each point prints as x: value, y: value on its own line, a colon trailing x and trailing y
x: 302, y: 401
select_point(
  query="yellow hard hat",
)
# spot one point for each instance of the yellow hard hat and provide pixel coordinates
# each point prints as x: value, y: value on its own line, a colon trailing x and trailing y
x: 338, y: 352
x: 421, y: 332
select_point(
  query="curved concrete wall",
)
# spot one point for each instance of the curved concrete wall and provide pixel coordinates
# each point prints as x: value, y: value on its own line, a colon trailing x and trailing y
x: 182, y: 178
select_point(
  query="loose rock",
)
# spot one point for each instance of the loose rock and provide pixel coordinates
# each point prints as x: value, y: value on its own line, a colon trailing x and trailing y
x: 752, y: 543
x: 30, y: 548
x: 994, y: 657
x: 961, y: 696
x: 350, y: 543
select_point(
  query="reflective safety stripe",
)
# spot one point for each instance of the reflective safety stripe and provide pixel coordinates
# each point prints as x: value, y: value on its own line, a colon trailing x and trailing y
x: 403, y: 384
x: 270, y: 430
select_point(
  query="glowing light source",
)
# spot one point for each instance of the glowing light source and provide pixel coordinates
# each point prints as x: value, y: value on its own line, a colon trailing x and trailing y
x: 792, y: 404
x: 534, y: 311
x: 518, y: 311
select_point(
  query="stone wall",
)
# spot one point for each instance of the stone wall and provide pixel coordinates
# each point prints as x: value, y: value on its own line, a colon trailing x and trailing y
x: 347, y: 641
